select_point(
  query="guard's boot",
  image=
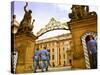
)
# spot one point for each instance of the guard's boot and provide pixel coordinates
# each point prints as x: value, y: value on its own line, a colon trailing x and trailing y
x: 46, y: 69
x: 34, y: 71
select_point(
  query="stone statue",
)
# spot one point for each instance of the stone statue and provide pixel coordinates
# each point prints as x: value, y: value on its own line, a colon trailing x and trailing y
x: 85, y: 10
x: 32, y: 25
x: 79, y: 11
x: 74, y: 12
x: 27, y: 15
x: 25, y: 25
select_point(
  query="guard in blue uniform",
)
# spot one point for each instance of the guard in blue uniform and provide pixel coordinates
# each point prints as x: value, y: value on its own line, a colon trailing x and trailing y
x: 92, y: 47
x: 36, y: 59
x: 43, y: 59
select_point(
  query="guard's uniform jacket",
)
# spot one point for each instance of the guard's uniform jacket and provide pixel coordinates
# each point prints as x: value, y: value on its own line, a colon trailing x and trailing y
x: 43, y: 55
x: 36, y: 59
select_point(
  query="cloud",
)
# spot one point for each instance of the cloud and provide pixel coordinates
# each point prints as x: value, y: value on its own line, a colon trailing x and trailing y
x: 64, y: 7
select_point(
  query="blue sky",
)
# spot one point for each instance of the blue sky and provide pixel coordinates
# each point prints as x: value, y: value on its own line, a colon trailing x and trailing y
x: 43, y: 12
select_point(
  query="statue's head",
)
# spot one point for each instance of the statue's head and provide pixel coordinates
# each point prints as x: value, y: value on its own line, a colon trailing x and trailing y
x: 30, y: 11
x: 33, y: 20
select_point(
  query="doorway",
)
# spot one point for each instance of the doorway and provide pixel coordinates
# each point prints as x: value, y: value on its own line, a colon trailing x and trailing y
x: 87, y: 56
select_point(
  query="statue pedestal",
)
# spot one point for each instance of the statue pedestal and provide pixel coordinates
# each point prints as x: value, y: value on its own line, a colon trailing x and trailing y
x: 25, y: 44
x: 78, y: 29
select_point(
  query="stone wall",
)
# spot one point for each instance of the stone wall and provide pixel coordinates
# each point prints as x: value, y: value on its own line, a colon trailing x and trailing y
x: 78, y: 28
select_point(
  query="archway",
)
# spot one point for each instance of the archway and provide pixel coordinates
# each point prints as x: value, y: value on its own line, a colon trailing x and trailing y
x: 53, y: 25
x: 87, y: 56
x: 58, y: 44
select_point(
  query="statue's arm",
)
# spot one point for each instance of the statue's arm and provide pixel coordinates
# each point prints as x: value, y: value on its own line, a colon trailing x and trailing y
x: 25, y: 7
x: 33, y: 22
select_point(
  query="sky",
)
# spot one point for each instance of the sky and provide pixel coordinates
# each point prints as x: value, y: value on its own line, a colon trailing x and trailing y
x: 43, y: 12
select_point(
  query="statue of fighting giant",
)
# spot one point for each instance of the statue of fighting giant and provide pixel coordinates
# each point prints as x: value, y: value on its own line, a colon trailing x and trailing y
x: 80, y: 12
x: 26, y: 25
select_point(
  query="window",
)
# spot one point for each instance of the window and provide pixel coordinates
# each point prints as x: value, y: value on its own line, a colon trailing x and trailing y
x: 64, y: 63
x: 52, y: 49
x: 53, y: 64
x: 40, y: 46
x: 63, y: 48
x: 52, y: 57
x: 64, y: 56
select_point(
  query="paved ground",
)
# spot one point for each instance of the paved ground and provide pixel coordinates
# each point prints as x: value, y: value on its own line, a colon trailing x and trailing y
x: 56, y: 69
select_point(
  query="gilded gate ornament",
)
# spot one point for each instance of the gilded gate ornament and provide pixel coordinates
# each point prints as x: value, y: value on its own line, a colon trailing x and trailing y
x: 53, y: 25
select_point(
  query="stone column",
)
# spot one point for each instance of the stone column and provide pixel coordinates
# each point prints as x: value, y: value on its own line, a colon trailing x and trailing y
x: 78, y: 28
x: 25, y: 46
x: 55, y: 53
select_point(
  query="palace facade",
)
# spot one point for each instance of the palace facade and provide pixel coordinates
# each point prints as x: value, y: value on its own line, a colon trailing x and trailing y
x: 60, y: 49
